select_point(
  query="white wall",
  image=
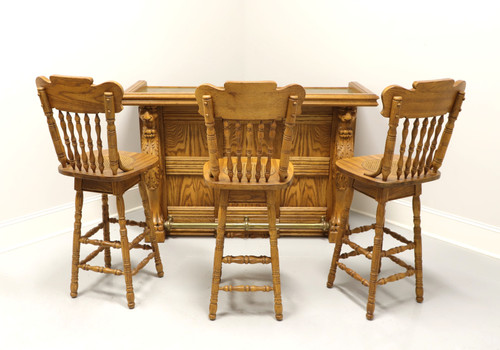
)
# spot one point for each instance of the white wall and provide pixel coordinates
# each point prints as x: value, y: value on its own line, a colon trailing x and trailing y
x: 378, y: 43
x: 315, y: 43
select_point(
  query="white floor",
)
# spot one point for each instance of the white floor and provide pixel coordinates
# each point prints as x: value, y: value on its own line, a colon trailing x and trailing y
x: 461, y: 308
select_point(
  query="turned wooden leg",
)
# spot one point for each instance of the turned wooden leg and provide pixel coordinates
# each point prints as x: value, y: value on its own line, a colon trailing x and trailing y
x: 219, y: 249
x: 419, y: 290
x: 76, y: 244
x: 376, y: 256
x: 105, y: 220
x: 344, y: 224
x: 152, y: 236
x: 275, y: 264
x: 127, y: 269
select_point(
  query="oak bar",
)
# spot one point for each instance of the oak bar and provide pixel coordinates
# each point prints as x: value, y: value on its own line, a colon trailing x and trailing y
x: 172, y: 129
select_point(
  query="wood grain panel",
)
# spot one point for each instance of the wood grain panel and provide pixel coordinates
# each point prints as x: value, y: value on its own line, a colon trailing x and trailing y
x: 302, y: 214
x: 184, y: 165
x: 306, y: 192
x: 185, y: 190
x: 236, y: 213
x: 192, y: 213
x: 304, y: 166
x: 311, y: 166
x: 244, y: 198
x: 185, y: 136
x: 312, y: 136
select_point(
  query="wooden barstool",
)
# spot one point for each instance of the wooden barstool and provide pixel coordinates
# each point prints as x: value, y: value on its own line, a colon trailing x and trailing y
x: 246, y: 107
x: 95, y: 169
x: 431, y: 107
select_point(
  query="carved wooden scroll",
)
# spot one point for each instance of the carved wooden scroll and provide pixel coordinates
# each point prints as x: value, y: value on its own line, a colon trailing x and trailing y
x: 150, y: 143
x: 344, y: 148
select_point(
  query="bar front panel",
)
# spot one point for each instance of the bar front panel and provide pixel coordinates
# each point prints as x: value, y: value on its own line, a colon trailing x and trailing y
x: 188, y: 199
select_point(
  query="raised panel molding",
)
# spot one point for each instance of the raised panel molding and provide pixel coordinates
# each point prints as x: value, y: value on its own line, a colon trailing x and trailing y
x: 304, y: 166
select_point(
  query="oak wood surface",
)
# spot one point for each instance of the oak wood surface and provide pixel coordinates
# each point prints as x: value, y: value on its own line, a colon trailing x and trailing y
x: 428, y: 113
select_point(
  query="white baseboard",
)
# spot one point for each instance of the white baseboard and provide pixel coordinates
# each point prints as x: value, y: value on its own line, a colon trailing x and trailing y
x: 59, y: 220
x: 464, y: 232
